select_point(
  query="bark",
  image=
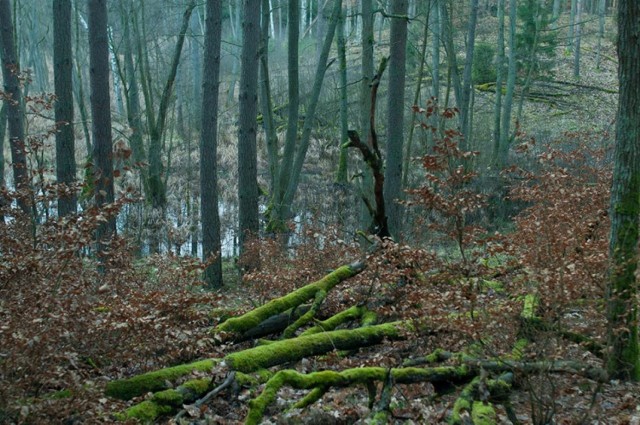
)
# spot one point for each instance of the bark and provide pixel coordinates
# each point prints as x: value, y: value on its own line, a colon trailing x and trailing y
x: 266, y: 102
x: 393, y: 190
x: 497, y: 123
x: 503, y: 149
x: 622, y: 306
x: 341, y: 173
x: 367, y: 69
x: 65, y: 139
x: 102, y: 155
x: 247, y: 151
x: 465, y: 99
x: 210, y: 219
x: 15, y: 107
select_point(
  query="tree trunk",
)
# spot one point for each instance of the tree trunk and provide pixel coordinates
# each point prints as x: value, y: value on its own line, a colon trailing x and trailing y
x: 247, y: 153
x: 210, y: 219
x: 505, y: 133
x: 15, y: 107
x: 499, y: 80
x: 65, y: 139
x: 101, y: 112
x: 622, y: 306
x: 367, y: 69
x: 578, y: 39
x: 395, y: 114
x: 467, y: 84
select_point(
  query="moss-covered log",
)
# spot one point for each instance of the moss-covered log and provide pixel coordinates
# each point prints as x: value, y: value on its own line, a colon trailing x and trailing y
x: 126, y: 389
x: 319, y: 382
x: 473, y: 402
x: 167, y: 401
x: 290, y: 350
x: 275, y: 324
x: 307, y: 317
x: 345, y: 316
x: 239, y: 325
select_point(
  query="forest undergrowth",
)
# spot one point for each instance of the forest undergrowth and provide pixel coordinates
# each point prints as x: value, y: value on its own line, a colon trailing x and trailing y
x: 66, y: 329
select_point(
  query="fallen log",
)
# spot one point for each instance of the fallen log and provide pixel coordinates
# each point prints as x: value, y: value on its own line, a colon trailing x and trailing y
x: 236, y: 326
x: 294, y: 349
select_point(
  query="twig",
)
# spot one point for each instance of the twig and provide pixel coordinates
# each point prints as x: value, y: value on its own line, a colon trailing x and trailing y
x: 227, y: 382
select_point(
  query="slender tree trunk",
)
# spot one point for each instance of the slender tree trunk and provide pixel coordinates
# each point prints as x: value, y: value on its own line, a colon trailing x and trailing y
x: 601, y: 12
x: 435, y: 51
x: 247, y: 153
x: 15, y: 107
x: 157, y: 191
x: 622, y: 290
x: 276, y: 221
x: 465, y: 99
x: 341, y: 174
x: 578, y: 39
x: 266, y: 103
x: 65, y: 139
x: 499, y: 82
x: 367, y: 69
x: 505, y: 132
x: 416, y: 96
x: 395, y: 114
x: 305, y: 137
x: 101, y: 112
x: 210, y: 219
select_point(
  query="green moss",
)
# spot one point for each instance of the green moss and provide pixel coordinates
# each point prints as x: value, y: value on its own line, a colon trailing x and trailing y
x: 483, y: 414
x: 126, y: 389
x: 198, y: 386
x: 255, y: 317
x: 102, y: 309
x: 493, y: 285
x: 147, y: 411
x: 320, y: 382
x: 518, y: 348
x: 169, y: 397
x: 336, y: 320
x: 265, y: 356
x: 530, y: 306
x: 57, y: 395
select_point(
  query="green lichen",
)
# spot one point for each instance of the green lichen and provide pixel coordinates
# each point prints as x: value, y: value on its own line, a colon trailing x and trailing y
x: 239, y: 325
x: 294, y: 349
x: 126, y: 389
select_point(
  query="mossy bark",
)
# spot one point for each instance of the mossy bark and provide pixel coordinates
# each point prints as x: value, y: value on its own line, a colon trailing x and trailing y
x: 126, y: 389
x: 279, y: 352
x: 242, y: 324
x: 166, y: 401
x: 319, y: 382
